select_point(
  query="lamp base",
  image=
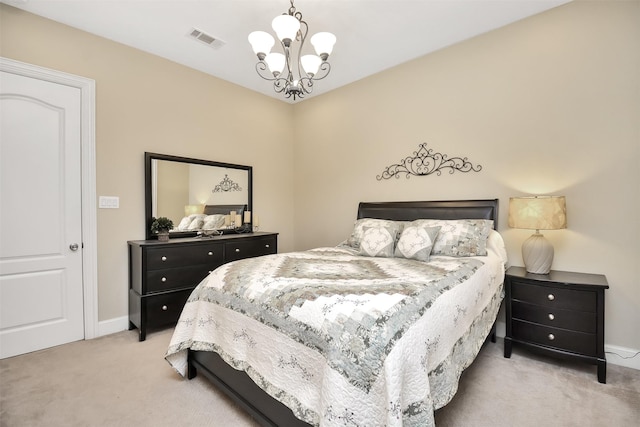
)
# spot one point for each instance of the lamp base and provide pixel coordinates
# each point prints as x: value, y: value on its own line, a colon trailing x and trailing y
x: 537, y: 254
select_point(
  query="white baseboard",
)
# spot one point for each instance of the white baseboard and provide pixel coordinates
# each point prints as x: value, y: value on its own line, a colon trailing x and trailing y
x: 111, y: 326
x: 622, y: 356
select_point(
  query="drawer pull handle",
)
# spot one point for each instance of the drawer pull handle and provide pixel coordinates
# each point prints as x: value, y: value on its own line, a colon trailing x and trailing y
x: 164, y: 258
x: 210, y: 253
x: 551, y: 297
x: 551, y: 316
x: 267, y: 246
x: 551, y: 337
x: 237, y: 250
x: 164, y: 308
x: 164, y: 279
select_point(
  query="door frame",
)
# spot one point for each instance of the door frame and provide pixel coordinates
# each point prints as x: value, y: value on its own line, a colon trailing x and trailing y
x: 87, y: 89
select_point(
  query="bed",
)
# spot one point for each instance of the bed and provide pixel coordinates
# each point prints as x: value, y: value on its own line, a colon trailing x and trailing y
x: 343, y: 336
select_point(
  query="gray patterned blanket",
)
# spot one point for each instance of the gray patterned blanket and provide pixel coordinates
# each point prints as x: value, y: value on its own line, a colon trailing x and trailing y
x: 345, y: 340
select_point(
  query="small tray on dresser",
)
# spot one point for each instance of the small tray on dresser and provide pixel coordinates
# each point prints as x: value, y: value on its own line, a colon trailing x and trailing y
x: 560, y: 314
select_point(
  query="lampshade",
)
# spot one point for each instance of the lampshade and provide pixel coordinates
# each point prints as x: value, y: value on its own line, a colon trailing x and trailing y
x: 261, y: 42
x: 286, y: 28
x: 538, y: 213
x: 311, y: 63
x: 192, y: 209
x: 323, y: 44
x: 276, y: 62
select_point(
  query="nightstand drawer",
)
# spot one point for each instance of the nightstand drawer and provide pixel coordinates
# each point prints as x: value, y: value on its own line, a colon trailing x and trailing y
x: 174, y: 278
x: 563, y: 298
x: 577, y: 342
x: 169, y: 256
x: 165, y: 309
x: 581, y: 321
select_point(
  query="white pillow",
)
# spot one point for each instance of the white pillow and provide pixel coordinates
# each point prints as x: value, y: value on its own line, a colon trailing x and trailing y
x: 213, y: 222
x: 378, y: 241
x: 459, y: 237
x: 184, y: 223
x: 360, y: 224
x: 416, y: 242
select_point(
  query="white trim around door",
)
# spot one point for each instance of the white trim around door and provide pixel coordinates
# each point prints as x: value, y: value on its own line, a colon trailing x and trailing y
x: 89, y: 223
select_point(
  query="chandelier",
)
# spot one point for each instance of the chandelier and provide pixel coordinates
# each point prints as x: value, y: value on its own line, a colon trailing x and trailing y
x: 291, y: 72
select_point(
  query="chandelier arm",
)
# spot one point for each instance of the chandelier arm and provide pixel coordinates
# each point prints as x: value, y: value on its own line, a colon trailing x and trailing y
x: 302, y: 36
x: 263, y: 71
x: 306, y: 84
x: 323, y: 71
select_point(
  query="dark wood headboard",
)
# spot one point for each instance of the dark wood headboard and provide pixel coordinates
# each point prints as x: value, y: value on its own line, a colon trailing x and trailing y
x: 224, y: 209
x: 446, y: 209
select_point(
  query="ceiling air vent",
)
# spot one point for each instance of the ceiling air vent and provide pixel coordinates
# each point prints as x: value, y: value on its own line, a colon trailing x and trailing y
x: 205, y: 38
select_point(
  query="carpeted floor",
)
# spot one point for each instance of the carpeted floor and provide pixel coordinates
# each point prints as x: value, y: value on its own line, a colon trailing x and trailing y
x: 118, y: 381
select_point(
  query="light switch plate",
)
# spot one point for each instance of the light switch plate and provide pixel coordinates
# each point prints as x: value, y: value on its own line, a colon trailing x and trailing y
x: 109, y: 202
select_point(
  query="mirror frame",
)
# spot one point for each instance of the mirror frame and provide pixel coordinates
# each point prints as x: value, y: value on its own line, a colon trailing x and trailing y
x: 148, y: 203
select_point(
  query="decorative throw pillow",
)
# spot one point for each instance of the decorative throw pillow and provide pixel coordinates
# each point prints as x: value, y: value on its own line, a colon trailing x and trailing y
x: 197, y: 222
x: 360, y: 224
x: 378, y: 241
x: 184, y: 223
x: 213, y: 222
x: 459, y: 237
x: 416, y: 242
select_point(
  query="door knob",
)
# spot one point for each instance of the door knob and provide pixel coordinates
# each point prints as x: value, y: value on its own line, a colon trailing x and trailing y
x: 74, y: 247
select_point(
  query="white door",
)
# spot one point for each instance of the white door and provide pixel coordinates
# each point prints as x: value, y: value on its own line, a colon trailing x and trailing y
x: 41, y: 288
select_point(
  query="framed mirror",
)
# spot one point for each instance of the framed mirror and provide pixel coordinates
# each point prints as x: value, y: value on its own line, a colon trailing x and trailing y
x: 181, y: 187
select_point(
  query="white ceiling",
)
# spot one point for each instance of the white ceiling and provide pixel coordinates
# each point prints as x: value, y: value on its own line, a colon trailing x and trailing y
x: 372, y: 35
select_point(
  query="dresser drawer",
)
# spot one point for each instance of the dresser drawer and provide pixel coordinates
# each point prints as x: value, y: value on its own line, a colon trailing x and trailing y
x: 174, y: 278
x: 577, y: 342
x: 165, y: 309
x: 249, y: 248
x: 582, y: 321
x: 553, y: 297
x: 169, y: 256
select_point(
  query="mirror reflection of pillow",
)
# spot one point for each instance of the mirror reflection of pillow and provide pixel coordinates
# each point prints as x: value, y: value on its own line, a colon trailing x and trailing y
x: 213, y: 222
x: 184, y: 223
x: 197, y: 223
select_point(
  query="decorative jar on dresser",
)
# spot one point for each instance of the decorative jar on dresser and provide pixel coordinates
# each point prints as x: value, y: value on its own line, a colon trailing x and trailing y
x: 163, y: 274
x: 560, y: 314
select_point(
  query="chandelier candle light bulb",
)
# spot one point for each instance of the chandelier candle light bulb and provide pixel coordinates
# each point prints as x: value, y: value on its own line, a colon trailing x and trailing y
x: 291, y: 72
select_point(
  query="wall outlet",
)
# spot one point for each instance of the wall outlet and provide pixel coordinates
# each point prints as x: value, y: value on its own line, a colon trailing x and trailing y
x: 109, y: 202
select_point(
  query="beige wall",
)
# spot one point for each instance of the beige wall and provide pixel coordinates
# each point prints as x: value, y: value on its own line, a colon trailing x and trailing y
x: 146, y: 103
x: 548, y: 105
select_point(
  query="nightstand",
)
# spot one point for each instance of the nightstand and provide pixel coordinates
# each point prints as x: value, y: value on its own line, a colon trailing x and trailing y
x: 560, y: 314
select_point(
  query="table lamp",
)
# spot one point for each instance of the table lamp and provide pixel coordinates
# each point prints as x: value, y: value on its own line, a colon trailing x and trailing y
x: 537, y: 213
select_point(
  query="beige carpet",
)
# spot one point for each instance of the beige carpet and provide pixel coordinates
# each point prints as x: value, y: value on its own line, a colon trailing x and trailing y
x: 118, y: 381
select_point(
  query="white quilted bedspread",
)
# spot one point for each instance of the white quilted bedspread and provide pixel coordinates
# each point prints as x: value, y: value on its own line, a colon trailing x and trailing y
x: 345, y: 340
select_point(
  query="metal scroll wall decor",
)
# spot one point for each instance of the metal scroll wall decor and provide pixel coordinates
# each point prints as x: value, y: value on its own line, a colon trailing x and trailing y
x: 226, y: 185
x: 426, y: 162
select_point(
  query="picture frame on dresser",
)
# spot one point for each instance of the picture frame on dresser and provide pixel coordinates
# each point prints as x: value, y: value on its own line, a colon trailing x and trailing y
x: 560, y: 314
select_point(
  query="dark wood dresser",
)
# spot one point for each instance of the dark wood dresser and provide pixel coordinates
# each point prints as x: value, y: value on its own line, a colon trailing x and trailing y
x: 163, y: 274
x: 560, y: 313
